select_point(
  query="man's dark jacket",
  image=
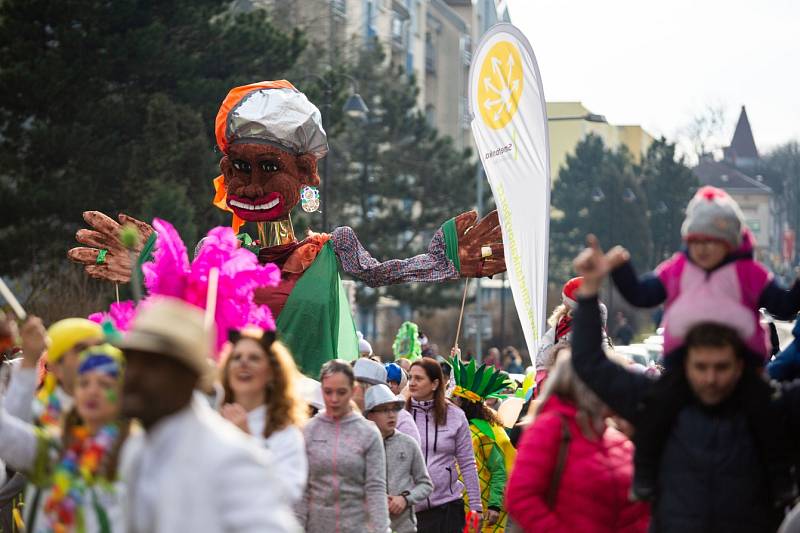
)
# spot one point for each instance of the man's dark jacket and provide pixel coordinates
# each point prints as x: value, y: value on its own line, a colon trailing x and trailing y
x: 710, y: 478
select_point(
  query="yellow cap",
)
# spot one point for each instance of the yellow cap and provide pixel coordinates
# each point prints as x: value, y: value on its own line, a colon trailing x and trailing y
x: 66, y: 333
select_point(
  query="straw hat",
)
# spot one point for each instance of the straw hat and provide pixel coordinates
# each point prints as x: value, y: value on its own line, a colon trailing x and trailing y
x: 172, y: 328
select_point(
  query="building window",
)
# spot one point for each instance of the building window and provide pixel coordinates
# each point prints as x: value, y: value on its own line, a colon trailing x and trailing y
x: 339, y: 8
x: 415, y: 10
x: 430, y: 115
x: 399, y: 30
x: 369, y: 19
x: 465, y: 43
x: 430, y: 54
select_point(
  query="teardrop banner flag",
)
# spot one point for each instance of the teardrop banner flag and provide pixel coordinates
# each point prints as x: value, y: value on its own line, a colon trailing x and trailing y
x: 509, y: 123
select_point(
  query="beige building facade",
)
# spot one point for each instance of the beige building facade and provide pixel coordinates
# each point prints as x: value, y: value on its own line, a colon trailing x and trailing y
x: 569, y: 122
x: 431, y: 39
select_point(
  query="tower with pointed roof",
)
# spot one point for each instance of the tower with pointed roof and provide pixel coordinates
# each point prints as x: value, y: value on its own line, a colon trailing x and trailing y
x: 742, y: 153
x: 736, y: 173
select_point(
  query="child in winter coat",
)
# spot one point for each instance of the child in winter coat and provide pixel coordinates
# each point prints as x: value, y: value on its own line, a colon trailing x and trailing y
x: 715, y: 279
x: 407, y: 479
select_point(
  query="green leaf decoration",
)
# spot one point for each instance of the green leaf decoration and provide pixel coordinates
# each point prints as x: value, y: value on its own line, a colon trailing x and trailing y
x: 484, y: 427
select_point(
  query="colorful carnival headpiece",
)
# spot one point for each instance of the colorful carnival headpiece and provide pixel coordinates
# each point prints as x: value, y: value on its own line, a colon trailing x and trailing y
x: 271, y: 112
x: 406, y: 343
x: 64, y: 335
x: 476, y: 383
x: 102, y: 358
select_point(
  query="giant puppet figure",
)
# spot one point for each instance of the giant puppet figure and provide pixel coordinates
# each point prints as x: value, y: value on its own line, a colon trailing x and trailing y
x: 271, y: 136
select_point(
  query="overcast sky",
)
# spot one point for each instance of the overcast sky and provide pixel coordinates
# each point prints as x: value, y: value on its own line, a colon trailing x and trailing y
x: 659, y: 64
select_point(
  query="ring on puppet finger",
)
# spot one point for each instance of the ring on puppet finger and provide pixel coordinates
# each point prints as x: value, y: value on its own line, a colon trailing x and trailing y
x: 486, y: 251
x: 101, y: 257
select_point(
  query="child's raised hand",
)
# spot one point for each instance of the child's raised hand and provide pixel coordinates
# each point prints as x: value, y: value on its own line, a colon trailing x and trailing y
x: 617, y: 256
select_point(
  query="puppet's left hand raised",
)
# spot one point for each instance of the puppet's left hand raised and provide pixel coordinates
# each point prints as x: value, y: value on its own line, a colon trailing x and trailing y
x: 480, y: 245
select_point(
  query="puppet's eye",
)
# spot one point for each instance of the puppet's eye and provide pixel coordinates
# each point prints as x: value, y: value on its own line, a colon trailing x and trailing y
x: 241, y: 166
x: 269, y: 166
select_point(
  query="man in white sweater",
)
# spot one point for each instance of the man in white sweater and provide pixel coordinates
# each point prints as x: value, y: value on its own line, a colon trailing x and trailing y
x: 191, y: 470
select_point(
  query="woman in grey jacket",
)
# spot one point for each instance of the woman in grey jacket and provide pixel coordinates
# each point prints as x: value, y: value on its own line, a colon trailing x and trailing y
x: 346, y: 490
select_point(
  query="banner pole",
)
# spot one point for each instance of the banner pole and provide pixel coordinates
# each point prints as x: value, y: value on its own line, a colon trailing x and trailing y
x: 461, y: 314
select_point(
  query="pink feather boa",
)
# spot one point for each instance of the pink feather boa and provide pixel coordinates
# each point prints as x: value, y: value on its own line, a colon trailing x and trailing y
x: 240, y: 274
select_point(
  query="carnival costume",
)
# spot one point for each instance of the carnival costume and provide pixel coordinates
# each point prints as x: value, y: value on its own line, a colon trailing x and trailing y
x: 77, y: 470
x: 494, y: 454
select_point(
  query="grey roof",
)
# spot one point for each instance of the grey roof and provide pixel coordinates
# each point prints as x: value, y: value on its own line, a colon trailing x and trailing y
x: 743, y: 144
x: 718, y: 174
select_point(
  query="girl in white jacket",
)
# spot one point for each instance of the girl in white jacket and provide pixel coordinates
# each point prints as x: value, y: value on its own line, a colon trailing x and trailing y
x: 259, y: 378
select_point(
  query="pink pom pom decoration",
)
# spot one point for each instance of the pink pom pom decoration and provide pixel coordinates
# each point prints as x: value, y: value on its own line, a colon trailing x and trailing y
x: 119, y: 314
x: 240, y: 274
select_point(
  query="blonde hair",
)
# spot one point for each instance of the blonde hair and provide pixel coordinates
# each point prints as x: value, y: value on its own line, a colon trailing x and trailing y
x: 285, y: 407
x: 563, y: 382
x: 559, y: 312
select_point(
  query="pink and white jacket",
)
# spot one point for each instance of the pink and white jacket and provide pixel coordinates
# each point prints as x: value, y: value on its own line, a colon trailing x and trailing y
x: 731, y: 294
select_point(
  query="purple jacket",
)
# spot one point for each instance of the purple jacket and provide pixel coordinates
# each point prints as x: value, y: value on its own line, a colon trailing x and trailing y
x: 405, y: 424
x: 443, y: 447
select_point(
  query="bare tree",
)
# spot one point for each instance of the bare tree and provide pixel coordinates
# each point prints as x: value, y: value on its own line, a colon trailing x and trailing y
x: 705, y: 130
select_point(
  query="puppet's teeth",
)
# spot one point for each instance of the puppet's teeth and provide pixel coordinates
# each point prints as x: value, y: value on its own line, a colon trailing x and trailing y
x: 264, y: 207
x: 251, y: 207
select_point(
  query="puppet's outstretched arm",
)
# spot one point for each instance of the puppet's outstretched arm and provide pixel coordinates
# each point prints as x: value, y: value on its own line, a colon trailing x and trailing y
x: 462, y: 247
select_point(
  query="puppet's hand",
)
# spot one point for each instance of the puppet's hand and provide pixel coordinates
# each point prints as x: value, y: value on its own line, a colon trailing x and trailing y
x: 104, y: 256
x: 480, y: 245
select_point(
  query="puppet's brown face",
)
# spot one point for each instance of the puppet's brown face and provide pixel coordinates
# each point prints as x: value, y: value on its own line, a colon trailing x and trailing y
x: 264, y: 181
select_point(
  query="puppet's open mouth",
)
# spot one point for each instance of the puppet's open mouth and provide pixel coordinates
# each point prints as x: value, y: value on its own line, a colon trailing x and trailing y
x: 257, y: 209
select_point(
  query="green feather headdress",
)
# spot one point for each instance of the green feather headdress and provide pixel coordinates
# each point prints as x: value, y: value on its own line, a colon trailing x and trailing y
x: 406, y: 343
x: 476, y: 383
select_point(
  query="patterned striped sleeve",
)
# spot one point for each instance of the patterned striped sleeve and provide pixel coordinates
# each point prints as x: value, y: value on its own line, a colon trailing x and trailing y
x: 430, y: 267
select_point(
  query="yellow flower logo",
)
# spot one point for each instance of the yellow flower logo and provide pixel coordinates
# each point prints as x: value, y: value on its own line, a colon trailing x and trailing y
x: 500, y: 84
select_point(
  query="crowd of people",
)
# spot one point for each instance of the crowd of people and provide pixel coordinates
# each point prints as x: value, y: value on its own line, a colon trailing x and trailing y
x: 151, y: 431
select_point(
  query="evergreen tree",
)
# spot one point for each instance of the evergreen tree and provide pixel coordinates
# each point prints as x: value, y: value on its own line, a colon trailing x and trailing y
x: 781, y: 170
x: 111, y: 105
x: 669, y: 185
x: 392, y: 177
x: 597, y: 192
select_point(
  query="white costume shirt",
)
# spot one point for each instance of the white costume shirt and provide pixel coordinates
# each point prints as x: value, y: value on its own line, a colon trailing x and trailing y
x: 194, y: 471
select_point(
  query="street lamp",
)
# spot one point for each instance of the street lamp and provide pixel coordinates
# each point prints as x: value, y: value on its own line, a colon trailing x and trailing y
x: 588, y: 117
x: 354, y: 108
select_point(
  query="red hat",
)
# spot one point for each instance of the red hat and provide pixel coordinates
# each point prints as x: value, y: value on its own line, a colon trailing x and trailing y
x: 568, y: 293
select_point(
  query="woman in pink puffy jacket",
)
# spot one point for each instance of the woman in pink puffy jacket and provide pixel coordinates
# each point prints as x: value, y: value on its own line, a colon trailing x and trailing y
x: 573, y: 472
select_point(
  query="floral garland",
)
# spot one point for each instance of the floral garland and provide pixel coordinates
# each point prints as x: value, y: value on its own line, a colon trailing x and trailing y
x: 75, y: 473
x: 51, y: 408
